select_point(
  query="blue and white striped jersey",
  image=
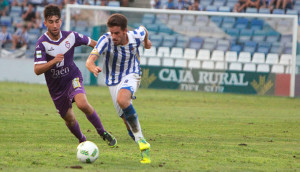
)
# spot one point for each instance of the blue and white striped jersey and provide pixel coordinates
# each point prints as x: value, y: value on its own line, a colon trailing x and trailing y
x: 120, y: 60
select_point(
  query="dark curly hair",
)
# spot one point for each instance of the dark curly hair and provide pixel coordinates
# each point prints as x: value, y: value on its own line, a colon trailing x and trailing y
x: 117, y: 20
x: 51, y: 10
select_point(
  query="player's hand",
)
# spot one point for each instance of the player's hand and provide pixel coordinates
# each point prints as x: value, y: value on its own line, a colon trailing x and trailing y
x: 96, y: 71
x: 148, y: 44
x: 59, y: 58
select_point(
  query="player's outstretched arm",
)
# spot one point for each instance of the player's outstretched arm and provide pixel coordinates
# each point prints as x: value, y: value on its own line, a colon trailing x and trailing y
x: 93, y: 43
x: 147, y: 42
x: 91, y: 66
x: 42, y: 68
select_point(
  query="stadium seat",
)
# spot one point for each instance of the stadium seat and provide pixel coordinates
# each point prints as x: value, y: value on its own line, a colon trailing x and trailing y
x: 216, y: 20
x: 263, y: 68
x: 143, y: 61
x: 235, y: 66
x: 211, y: 8
x: 272, y: 58
x: 278, y: 11
x: 203, y: 54
x: 217, y: 55
x: 196, y: 43
x: 256, y: 24
x: 241, y: 23
x: 180, y: 63
x: 161, y: 19
x: 150, y: 52
x: 182, y: 42
x: 220, y: 65
x: 286, y: 38
x: 152, y: 28
x: 208, y: 65
x: 236, y: 47
x: 169, y: 41
x: 244, y: 57
x: 174, y: 19
x: 193, y: 31
x: 231, y: 56
x: 251, y: 10
x: 209, y: 43
x: 167, y: 62
x: 165, y: 29
x: 250, y: 46
x: 249, y: 67
x: 189, y: 53
x: 263, y: 47
x: 182, y: 29
x: 276, y: 47
x: 291, y: 11
x: 194, y: 64
x: 223, y: 45
x: 285, y: 59
x: 113, y: 4
x: 264, y: 11
x: 156, y: 40
x: 258, y: 58
x: 188, y: 20
x: 277, y: 69
x: 224, y: 9
x: 163, y: 52
x: 272, y: 38
x: 148, y: 19
x: 154, y: 61
x: 201, y: 20
x: 245, y: 35
x: 176, y: 52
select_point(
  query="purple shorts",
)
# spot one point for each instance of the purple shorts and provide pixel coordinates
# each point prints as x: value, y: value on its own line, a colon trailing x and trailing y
x: 65, y: 100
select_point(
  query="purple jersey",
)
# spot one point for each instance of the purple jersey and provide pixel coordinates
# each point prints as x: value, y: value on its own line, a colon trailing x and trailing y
x: 60, y: 76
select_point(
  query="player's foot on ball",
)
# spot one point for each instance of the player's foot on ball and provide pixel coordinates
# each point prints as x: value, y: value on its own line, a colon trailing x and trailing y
x: 143, y: 144
x: 110, y: 139
x: 145, y: 156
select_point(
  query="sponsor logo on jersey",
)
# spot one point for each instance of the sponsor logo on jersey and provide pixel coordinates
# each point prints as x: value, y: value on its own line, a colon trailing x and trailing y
x: 51, y: 49
x: 38, y: 54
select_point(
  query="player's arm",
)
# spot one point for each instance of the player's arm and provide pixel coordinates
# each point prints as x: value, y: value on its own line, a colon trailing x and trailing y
x: 91, y: 66
x: 147, y: 42
x: 93, y: 43
x: 42, y: 68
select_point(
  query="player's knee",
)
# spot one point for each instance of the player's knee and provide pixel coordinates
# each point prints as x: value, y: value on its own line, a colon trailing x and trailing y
x: 70, y: 121
x: 84, y: 107
x: 123, y: 102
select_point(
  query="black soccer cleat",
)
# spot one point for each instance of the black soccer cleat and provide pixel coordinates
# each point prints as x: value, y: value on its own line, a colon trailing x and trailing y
x: 110, y: 139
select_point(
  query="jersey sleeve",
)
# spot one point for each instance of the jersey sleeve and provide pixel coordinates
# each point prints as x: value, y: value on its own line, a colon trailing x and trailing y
x: 101, y: 45
x: 40, y: 54
x: 140, y: 33
x: 81, y: 39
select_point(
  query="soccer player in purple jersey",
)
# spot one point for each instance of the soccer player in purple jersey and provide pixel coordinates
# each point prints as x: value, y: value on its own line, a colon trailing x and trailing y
x: 121, y: 69
x: 54, y: 57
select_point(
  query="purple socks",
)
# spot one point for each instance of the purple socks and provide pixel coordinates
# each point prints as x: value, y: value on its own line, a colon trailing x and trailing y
x: 95, y: 120
x: 76, y: 131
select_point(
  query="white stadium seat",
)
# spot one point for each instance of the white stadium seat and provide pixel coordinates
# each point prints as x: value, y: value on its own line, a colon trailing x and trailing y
x: 244, y: 57
x: 194, y: 64
x: 154, y: 61
x: 272, y: 58
x: 263, y: 68
x: 203, y: 54
x: 277, y: 68
x: 189, y: 53
x: 163, y: 52
x: 217, y: 55
x: 258, y: 58
x: 176, y: 52
x: 235, y: 66
x: 208, y: 65
x: 231, y: 56
x: 150, y: 52
x: 285, y: 59
x: 180, y: 63
x: 168, y: 62
x: 249, y: 67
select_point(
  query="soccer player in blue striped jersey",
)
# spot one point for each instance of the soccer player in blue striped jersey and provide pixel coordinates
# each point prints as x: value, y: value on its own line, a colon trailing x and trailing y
x: 122, y: 72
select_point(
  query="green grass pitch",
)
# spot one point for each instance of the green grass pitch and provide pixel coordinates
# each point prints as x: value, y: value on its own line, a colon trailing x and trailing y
x: 188, y: 131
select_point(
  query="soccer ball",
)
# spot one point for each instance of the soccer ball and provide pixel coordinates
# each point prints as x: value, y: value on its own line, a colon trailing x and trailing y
x: 87, y: 152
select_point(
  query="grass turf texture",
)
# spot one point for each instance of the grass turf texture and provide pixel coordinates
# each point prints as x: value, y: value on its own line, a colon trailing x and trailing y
x: 188, y: 131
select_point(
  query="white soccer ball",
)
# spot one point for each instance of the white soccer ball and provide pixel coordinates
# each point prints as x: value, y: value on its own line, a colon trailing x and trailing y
x: 87, y: 152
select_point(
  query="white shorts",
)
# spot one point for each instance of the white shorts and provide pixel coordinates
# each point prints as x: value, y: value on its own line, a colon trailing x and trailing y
x: 130, y: 82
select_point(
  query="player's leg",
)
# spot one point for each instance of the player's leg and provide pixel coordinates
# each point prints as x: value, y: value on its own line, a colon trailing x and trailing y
x: 73, y: 125
x: 83, y: 104
x: 128, y: 128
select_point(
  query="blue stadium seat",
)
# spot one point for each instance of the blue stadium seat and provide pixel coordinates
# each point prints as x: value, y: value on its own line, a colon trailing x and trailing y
x: 209, y: 43
x: 153, y: 28
x: 241, y: 23
x: 235, y: 47
x: 250, y: 46
x: 233, y: 32
x: 156, y: 40
x: 165, y: 29
x: 211, y: 8
x: 113, y: 4
x: 245, y: 35
x: 206, y: 3
x: 169, y: 41
x: 196, y: 43
x: 264, y: 47
x: 278, y: 11
x: 276, y: 48
x: 291, y: 12
x: 182, y: 42
x: 224, y: 9
x: 251, y: 10
x: 223, y: 45
x: 272, y: 38
x: 256, y: 24
x: 264, y: 11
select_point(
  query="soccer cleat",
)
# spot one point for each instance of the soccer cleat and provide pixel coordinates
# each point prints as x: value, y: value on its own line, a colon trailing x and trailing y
x: 110, y: 139
x: 145, y: 156
x: 143, y: 144
x: 145, y: 151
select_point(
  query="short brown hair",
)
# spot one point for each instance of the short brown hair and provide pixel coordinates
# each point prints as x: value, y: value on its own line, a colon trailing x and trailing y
x: 51, y: 10
x: 117, y: 20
